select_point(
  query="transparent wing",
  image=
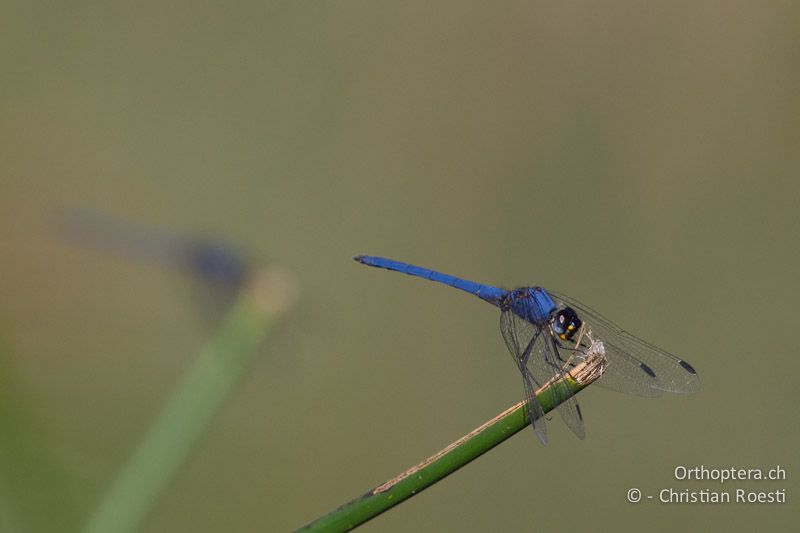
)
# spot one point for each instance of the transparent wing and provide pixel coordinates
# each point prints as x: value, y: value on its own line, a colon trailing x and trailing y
x: 560, y: 361
x: 538, y: 360
x: 634, y: 365
x: 520, y: 341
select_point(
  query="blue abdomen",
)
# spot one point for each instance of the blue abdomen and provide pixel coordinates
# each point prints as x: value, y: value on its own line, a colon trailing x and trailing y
x: 493, y: 295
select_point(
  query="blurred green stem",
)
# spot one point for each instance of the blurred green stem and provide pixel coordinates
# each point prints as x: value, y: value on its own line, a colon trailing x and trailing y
x: 211, y: 379
x: 39, y: 486
x: 457, y: 454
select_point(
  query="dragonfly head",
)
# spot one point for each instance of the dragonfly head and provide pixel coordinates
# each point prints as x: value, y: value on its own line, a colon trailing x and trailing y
x: 565, y: 323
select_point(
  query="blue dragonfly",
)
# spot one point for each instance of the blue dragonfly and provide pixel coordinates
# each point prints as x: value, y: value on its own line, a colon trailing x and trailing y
x: 219, y: 266
x: 214, y: 262
x: 549, y: 333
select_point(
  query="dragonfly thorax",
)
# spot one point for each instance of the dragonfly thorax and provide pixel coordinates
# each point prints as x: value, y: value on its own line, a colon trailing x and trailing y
x: 532, y: 304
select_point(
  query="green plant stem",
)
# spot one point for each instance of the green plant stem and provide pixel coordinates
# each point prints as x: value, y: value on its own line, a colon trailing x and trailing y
x: 467, y: 448
x: 33, y: 478
x: 195, y: 400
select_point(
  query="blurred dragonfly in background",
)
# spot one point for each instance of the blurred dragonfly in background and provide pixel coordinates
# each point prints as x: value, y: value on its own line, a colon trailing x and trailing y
x: 549, y: 333
x: 218, y: 265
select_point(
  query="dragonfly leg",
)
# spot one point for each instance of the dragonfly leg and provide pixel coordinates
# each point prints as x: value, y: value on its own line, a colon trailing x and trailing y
x: 524, y: 356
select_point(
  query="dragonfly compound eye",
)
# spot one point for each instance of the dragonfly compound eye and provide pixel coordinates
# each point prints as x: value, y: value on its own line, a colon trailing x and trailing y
x: 565, y: 323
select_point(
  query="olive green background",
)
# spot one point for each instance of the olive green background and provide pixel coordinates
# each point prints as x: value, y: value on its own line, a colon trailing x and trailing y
x: 640, y: 156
